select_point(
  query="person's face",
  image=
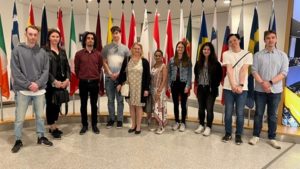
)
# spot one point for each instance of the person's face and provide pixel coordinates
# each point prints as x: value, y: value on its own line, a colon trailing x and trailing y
x: 31, y: 35
x: 90, y: 40
x: 116, y: 36
x: 234, y: 42
x: 271, y: 40
x: 54, y: 38
x: 158, y: 57
x: 137, y: 51
x: 180, y: 49
x: 206, y: 51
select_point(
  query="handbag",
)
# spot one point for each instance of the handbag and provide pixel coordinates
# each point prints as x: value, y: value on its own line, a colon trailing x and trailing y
x: 125, y: 89
x: 125, y: 85
x: 60, y: 96
x: 148, y: 105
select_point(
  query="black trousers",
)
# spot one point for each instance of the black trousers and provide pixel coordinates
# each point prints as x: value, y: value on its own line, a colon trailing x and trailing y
x: 52, y: 110
x: 177, y: 89
x: 206, y: 101
x: 86, y: 88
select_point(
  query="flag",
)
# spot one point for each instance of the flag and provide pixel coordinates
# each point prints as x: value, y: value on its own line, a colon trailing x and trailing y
x: 87, y: 19
x: 123, y: 30
x: 44, y: 28
x: 109, y: 25
x: 189, y: 36
x: 99, y: 48
x: 214, y: 32
x: 181, y: 26
x: 145, y: 38
x: 60, y: 27
x: 156, y: 40
x: 31, y: 16
x: 15, y: 37
x: 253, y: 48
x: 3, y: 65
x: 132, y: 31
x: 241, y: 28
x: 72, y: 50
x: 225, y: 47
x: 272, y: 22
x: 203, y: 38
x: 169, y: 51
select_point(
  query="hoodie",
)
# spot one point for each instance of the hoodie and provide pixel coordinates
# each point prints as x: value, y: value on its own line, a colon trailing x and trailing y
x: 29, y: 65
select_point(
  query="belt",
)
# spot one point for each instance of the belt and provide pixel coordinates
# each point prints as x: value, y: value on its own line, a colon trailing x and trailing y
x: 89, y: 80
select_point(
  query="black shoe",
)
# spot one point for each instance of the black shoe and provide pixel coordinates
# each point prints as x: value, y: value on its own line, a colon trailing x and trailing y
x: 45, y: 141
x: 96, y: 130
x: 83, y: 130
x: 226, y: 138
x: 56, y: 134
x: 119, y: 124
x: 238, y: 139
x: 131, y: 130
x: 17, y: 146
x: 59, y: 131
x: 138, y: 132
x: 109, y: 124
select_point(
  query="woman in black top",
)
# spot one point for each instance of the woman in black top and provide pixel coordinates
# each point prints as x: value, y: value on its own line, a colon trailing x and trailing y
x: 208, y: 75
x: 59, y: 75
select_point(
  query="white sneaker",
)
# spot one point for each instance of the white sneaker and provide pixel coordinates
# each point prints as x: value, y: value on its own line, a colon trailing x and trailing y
x: 175, y: 126
x: 206, y: 131
x: 160, y: 130
x: 199, y: 130
x: 253, y: 140
x: 274, y: 144
x: 182, y: 127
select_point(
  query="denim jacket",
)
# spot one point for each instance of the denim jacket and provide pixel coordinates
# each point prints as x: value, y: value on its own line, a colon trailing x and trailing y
x: 185, y: 73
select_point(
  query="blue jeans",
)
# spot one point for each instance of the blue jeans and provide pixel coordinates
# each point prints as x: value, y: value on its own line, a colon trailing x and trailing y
x: 112, y: 93
x: 22, y: 102
x: 261, y: 100
x: 239, y: 100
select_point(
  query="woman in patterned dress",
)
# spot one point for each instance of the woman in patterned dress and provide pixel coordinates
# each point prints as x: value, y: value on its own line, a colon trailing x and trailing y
x: 158, y: 83
x: 138, y: 71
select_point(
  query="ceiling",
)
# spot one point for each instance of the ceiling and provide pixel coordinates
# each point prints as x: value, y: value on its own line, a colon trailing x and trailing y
x: 138, y: 6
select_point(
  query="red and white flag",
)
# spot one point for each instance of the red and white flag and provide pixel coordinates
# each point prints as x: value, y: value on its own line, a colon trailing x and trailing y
x: 169, y: 51
x: 60, y: 27
x: 123, y: 30
x: 132, y: 31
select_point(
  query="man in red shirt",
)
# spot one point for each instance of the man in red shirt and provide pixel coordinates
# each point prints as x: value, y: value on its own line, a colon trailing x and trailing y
x: 88, y: 68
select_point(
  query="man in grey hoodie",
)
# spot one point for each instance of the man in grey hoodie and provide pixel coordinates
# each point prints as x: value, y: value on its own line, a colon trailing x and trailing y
x: 30, y: 69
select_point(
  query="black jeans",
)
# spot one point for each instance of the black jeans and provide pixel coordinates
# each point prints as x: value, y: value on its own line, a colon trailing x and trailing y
x: 206, y: 101
x: 87, y: 88
x: 177, y: 89
x: 52, y: 110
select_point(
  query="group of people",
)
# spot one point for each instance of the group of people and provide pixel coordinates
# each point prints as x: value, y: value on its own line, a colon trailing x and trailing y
x: 38, y: 73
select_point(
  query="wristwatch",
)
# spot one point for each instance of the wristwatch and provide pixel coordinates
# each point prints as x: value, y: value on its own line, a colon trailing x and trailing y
x: 242, y: 85
x: 271, y: 82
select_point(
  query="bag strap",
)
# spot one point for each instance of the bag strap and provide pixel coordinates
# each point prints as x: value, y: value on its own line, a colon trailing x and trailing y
x: 239, y: 60
x: 127, y: 68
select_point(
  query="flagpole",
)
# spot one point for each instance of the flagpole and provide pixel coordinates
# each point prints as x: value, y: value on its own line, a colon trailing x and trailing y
x: 98, y: 1
x: 1, y: 104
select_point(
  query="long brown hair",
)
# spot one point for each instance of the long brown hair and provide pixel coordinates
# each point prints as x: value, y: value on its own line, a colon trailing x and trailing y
x: 185, y: 58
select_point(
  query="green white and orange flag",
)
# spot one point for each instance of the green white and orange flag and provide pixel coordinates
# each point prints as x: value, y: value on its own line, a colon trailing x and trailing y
x: 4, y: 85
x: 72, y: 52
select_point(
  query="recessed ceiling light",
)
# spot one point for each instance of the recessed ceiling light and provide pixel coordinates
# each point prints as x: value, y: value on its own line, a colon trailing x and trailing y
x: 226, y: 1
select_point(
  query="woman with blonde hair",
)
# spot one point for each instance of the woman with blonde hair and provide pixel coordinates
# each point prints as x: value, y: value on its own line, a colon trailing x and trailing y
x: 136, y: 71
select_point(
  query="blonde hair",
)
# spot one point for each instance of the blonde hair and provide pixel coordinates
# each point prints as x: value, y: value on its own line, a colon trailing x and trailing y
x: 140, y: 45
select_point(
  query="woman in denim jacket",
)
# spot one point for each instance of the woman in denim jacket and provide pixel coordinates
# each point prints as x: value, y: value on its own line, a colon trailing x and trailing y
x: 180, y: 77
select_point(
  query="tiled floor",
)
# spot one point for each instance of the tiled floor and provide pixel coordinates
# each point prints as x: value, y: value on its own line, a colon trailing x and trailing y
x: 115, y: 148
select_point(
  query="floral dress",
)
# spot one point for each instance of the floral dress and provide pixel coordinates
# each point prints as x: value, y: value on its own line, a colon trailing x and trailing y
x: 159, y: 107
x: 135, y: 73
